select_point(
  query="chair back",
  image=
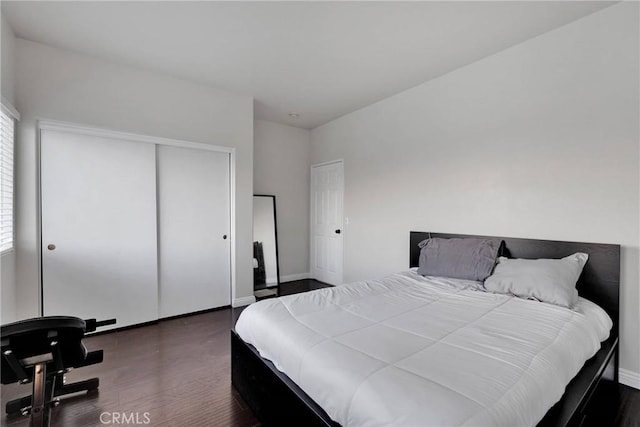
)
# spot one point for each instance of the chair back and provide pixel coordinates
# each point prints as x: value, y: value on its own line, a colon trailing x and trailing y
x: 56, y: 340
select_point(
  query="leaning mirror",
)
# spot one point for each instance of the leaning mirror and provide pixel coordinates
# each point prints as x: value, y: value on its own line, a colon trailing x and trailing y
x: 266, y: 274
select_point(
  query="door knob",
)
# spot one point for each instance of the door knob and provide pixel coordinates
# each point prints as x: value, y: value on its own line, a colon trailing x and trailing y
x: 224, y: 236
x: 51, y: 247
x: 338, y: 231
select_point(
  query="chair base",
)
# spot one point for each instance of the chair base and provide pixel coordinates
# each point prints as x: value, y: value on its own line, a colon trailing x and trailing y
x: 16, y: 406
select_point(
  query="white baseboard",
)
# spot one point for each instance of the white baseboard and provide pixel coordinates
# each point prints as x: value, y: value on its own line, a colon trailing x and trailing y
x: 630, y: 378
x: 292, y: 277
x: 240, y: 302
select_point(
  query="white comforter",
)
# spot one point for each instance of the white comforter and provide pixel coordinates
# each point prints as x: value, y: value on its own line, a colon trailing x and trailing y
x: 413, y: 351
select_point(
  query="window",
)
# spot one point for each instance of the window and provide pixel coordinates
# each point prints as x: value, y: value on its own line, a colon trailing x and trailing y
x: 6, y: 179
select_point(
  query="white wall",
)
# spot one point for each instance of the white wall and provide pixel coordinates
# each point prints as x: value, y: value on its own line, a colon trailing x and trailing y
x: 8, y: 62
x: 540, y: 141
x: 61, y: 85
x: 7, y: 87
x: 281, y: 167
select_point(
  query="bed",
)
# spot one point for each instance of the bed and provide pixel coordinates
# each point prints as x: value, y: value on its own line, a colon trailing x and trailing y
x: 364, y: 379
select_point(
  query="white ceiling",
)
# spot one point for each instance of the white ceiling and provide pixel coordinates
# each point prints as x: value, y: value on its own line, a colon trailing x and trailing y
x: 319, y: 59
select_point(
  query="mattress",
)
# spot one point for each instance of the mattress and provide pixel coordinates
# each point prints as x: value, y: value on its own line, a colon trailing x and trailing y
x: 409, y: 350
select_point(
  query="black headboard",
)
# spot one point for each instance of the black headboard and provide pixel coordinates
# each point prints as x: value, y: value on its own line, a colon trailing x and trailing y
x: 600, y: 279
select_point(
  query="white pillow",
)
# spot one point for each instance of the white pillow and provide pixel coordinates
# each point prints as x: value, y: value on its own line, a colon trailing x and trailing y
x: 549, y: 280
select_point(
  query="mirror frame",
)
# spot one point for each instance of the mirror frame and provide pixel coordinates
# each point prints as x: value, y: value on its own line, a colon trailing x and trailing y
x: 275, y: 230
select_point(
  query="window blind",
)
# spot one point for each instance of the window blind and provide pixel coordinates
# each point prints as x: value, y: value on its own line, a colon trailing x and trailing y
x: 6, y: 181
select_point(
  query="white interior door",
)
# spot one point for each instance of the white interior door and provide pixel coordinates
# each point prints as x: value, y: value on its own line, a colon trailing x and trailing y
x: 193, y: 230
x: 99, y: 249
x: 327, y: 189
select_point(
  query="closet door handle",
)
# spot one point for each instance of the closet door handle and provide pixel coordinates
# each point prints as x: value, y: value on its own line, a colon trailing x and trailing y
x: 224, y: 236
x: 51, y: 247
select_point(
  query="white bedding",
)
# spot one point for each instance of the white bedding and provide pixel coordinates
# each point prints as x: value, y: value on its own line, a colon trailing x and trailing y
x: 413, y: 351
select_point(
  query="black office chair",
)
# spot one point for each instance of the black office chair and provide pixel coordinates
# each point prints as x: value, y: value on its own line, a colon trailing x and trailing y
x: 41, y: 351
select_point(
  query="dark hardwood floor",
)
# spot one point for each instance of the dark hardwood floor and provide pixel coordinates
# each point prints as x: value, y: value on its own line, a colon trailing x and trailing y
x: 294, y: 287
x: 629, y: 409
x: 178, y: 371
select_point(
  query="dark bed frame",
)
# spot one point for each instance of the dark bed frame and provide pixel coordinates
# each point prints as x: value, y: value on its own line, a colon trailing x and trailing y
x: 590, y: 398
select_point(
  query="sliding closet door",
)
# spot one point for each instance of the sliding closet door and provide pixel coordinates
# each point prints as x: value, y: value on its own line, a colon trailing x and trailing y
x: 99, y: 247
x: 193, y: 230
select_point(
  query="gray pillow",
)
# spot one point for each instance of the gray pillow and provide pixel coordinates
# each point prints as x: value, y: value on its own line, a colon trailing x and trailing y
x: 549, y: 280
x: 458, y: 258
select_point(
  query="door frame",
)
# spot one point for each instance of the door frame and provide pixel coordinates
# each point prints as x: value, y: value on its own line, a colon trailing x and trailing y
x: 311, y: 216
x: 55, y: 125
